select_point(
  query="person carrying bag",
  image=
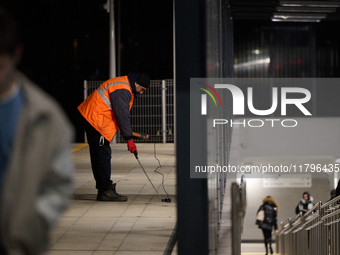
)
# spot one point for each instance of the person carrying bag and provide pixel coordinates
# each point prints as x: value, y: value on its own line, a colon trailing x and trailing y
x: 266, y: 219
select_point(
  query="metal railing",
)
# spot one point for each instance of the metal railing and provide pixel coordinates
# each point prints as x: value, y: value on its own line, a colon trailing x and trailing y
x: 330, y: 216
x: 152, y: 113
x: 315, y: 233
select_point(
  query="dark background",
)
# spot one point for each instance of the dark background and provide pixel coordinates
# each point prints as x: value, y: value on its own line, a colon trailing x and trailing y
x: 67, y: 42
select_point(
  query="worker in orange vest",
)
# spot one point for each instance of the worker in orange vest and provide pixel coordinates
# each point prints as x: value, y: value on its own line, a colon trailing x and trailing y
x: 106, y: 110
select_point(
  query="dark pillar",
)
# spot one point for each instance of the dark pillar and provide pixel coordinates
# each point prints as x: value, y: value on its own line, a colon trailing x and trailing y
x: 192, y: 195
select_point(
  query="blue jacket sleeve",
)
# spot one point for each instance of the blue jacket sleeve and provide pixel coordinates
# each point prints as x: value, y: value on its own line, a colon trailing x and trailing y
x: 120, y: 101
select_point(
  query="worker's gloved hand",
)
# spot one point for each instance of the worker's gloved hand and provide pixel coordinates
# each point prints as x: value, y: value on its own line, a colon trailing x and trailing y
x: 131, y: 146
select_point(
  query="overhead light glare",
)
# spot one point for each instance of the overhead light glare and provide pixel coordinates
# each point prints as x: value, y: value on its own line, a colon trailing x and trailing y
x: 253, y: 63
x: 295, y: 20
x: 310, y: 3
x: 304, y: 9
x: 299, y: 16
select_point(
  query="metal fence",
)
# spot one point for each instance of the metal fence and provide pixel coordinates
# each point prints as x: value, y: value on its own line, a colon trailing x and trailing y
x: 315, y: 233
x: 152, y: 113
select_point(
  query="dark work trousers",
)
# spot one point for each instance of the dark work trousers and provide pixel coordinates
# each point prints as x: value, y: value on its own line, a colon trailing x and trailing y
x: 100, y: 155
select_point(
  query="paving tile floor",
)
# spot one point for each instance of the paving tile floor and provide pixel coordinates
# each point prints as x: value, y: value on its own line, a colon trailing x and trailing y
x: 255, y: 249
x: 142, y: 225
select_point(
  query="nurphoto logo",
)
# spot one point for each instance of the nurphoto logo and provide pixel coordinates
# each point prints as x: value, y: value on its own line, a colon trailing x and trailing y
x: 239, y: 104
x: 204, y: 98
x: 238, y: 100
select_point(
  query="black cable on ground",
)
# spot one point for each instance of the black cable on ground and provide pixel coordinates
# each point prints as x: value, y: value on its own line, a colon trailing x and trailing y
x: 156, y: 170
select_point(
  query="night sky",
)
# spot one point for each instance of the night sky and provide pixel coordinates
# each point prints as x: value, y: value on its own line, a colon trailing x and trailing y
x: 67, y: 42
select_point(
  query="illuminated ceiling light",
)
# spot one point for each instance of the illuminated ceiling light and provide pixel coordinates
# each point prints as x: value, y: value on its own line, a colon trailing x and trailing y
x: 295, y: 20
x: 304, y: 9
x: 310, y: 3
x: 253, y: 63
x: 299, y: 16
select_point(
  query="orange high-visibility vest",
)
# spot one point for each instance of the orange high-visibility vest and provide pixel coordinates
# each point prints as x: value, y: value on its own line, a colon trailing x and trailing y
x: 97, y: 110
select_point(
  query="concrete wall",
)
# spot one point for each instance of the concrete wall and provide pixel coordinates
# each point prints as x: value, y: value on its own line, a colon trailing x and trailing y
x: 311, y: 138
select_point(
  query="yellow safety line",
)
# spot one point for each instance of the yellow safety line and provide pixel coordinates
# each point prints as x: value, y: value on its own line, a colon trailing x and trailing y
x: 79, y: 147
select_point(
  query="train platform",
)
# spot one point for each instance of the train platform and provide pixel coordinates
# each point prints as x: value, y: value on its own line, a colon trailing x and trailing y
x: 142, y: 225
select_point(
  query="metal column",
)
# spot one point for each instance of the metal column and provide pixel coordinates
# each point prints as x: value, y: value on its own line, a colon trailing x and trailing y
x: 164, y: 130
x: 110, y: 9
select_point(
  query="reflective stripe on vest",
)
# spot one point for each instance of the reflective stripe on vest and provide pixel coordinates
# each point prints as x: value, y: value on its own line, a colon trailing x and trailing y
x: 101, y: 92
x: 97, y: 108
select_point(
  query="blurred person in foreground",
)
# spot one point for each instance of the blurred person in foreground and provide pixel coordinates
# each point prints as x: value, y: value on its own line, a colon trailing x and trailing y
x: 35, y: 167
x: 267, y: 220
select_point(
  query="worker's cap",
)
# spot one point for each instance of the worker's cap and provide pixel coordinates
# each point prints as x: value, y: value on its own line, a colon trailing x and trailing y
x: 143, y: 80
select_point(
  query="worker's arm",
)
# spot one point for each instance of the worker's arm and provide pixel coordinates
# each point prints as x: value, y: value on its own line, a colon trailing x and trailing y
x: 120, y: 101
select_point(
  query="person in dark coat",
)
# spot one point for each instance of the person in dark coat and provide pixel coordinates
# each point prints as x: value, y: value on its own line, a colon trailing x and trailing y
x: 305, y: 204
x: 269, y: 210
x: 332, y: 194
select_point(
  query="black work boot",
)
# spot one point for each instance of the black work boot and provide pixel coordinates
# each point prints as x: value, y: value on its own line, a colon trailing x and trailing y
x: 111, y: 195
x: 266, y: 245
